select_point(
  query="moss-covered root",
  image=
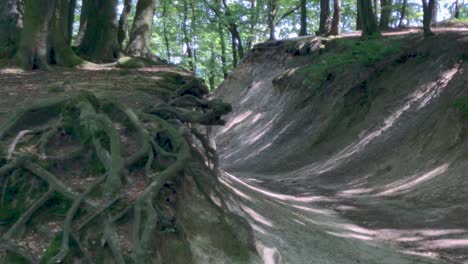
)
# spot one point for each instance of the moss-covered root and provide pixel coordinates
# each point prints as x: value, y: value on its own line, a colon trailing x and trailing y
x: 162, y: 147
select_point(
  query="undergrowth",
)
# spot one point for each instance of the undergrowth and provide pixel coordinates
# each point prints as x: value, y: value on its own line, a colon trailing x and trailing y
x: 346, y: 52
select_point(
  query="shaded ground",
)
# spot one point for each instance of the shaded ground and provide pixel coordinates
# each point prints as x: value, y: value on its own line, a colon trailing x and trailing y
x: 357, y: 164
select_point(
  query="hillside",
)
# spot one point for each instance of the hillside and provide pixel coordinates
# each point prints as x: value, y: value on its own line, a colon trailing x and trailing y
x: 342, y: 151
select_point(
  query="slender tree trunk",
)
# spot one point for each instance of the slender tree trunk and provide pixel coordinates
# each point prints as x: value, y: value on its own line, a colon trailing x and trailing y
x: 385, y: 14
x: 166, y: 38
x: 272, y: 9
x: 188, y: 45
x: 254, y: 13
x: 99, y: 43
x: 123, y: 32
x: 10, y: 27
x: 368, y: 20
x: 212, y: 65
x: 376, y: 11
x: 139, y: 44
x: 403, y: 13
x: 71, y: 20
x: 303, y: 30
x: 434, y: 13
x: 358, y: 15
x: 335, y: 26
x: 325, y: 21
x: 85, y: 5
x: 223, y: 51
x: 234, y: 50
x: 428, y: 7
x: 457, y: 9
x: 240, y: 47
x: 44, y: 39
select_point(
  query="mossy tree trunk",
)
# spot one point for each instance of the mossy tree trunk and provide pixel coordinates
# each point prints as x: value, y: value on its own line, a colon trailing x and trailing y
x: 368, y: 20
x: 99, y: 43
x: 428, y: 8
x: 358, y: 15
x: 385, y: 14
x: 45, y: 37
x: 325, y: 20
x: 10, y: 26
x: 139, y: 44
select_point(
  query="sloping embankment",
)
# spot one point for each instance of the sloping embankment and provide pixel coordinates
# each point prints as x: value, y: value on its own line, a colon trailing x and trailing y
x: 354, y: 163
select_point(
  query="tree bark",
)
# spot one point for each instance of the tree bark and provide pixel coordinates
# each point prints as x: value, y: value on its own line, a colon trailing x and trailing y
x: 428, y: 7
x: 335, y: 26
x: 325, y: 22
x: 222, y: 40
x: 139, y: 44
x: 188, y: 44
x: 358, y: 15
x: 272, y: 9
x: 385, y: 14
x: 457, y: 9
x: 99, y: 43
x: 403, y: 13
x: 303, y: 30
x: 85, y: 5
x: 10, y: 27
x: 123, y: 32
x: 368, y: 20
x: 434, y: 13
x: 234, y: 50
x: 45, y: 37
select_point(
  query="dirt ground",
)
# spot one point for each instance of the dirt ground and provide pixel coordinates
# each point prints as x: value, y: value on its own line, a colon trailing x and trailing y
x: 364, y: 167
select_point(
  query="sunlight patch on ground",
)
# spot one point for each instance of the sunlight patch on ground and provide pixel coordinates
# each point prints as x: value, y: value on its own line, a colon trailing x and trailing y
x: 282, y: 197
x: 236, y: 120
x: 422, y: 96
x: 236, y: 191
x: 405, y: 185
x: 256, y: 216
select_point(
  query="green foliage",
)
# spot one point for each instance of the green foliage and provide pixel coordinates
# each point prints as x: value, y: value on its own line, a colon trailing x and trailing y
x: 12, y: 258
x: 462, y: 105
x: 353, y: 52
x: 53, y: 249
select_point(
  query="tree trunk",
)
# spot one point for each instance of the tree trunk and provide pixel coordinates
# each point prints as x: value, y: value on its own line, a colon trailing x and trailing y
x: 385, y: 14
x: 376, y: 11
x: 222, y: 41
x: 71, y: 21
x: 272, y: 9
x: 188, y: 44
x: 234, y: 50
x: 99, y: 43
x: 254, y: 13
x: 457, y: 9
x: 45, y: 37
x: 428, y: 8
x: 358, y: 15
x: 85, y: 5
x: 335, y: 26
x: 123, y: 32
x: 212, y: 66
x: 325, y: 22
x: 368, y: 20
x: 303, y: 30
x: 403, y: 13
x: 139, y: 44
x: 10, y: 27
x: 434, y: 13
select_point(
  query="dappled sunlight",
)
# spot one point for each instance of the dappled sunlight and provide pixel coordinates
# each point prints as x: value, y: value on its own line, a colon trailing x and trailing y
x: 350, y: 235
x: 253, y: 88
x: 422, y: 96
x: 445, y: 244
x: 236, y: 120
x: 256, y: 216
x: 236, y: 191
x: 282, y: 197
x: 14, y: 71
x: 407, y: 184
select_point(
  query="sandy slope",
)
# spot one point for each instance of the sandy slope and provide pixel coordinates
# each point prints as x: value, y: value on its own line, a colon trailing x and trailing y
x: 367, y: 167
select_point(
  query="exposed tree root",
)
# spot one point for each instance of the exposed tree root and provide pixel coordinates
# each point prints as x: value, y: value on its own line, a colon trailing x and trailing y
x: 101, y: 130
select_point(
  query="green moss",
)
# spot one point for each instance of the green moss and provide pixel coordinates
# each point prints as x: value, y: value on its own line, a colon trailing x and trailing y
x: 347, y: 52
x: 11, y: 258
x: 462, y: 105
x: 56, y: 89
x: 53, y: 249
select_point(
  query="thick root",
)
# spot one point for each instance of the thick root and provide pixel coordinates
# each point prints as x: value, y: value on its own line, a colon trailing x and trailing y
x: 125, y: 187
